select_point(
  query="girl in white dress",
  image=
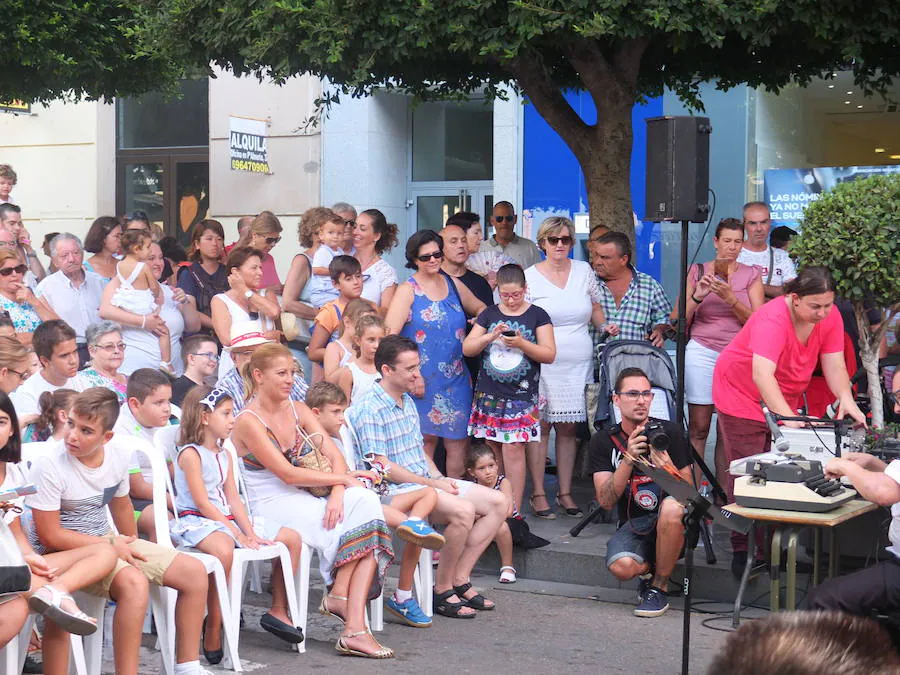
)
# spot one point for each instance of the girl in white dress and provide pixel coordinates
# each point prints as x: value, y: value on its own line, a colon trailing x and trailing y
x: 358, y: 376
x: 138, y: 291
x: 568, y: 291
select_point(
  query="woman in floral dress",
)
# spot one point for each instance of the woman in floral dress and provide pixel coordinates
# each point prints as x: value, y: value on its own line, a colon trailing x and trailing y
x: 430, y: 308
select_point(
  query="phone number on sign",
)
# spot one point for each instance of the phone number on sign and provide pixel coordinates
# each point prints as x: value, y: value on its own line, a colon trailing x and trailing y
x: 245, y: 165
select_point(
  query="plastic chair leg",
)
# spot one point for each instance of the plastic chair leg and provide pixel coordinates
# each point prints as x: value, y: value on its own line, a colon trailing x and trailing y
x: 290, y: 588
x: 162, y: 601
x: 230, y: 622
x: 376, y: 614
x: 424, y: 582
x: 301, y: 585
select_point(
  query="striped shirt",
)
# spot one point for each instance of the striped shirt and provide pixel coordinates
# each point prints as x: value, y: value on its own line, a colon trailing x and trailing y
x: 384, y: 428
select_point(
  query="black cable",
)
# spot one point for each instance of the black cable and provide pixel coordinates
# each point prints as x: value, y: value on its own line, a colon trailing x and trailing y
x: 712, y: 212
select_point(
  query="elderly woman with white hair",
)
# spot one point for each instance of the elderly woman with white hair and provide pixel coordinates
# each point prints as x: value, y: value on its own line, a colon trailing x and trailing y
x: 107, y: 351
x: 567, y: 290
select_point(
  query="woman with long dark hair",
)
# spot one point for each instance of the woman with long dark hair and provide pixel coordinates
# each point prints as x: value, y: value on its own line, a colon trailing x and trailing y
x: 206, y: 276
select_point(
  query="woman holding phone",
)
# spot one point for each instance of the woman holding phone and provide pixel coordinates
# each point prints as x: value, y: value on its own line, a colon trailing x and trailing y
x: 721, y: 295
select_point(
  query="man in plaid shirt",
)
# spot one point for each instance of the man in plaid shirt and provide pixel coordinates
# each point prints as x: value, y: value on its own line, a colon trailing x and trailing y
x: 632, y: 300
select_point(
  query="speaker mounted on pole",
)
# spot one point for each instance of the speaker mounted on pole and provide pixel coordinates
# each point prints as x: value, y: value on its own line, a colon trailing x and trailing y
x: 678, y: 169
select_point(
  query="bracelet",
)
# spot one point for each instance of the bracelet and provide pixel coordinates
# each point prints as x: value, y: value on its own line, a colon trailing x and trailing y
x: 695, y: 299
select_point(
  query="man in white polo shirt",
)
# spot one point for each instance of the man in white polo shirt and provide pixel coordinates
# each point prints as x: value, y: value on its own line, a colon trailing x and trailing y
x: 505, y: 240
x: 72, y: 292
x: 776, y: 265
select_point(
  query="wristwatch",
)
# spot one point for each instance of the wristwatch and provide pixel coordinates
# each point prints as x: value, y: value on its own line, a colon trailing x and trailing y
x: 248, y: 294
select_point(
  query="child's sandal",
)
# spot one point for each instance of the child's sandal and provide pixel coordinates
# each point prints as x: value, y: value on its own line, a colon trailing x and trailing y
x: 507, y: 575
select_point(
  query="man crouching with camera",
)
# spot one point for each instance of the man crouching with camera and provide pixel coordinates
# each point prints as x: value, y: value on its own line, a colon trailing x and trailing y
x: 650, y: 535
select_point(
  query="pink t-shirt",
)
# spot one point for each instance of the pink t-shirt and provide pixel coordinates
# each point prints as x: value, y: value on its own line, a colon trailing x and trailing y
x: 714, y: 323
x: 770, y: 333
x: 269, y: 273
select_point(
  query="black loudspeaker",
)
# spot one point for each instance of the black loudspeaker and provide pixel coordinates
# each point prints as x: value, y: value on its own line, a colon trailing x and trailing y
x: 678, y: 168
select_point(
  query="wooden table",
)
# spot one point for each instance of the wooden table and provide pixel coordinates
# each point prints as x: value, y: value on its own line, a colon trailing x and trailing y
x: 793, y: 522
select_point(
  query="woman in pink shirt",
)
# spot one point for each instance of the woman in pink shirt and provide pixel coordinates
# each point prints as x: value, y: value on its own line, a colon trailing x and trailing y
x: 771, y: 360
x: 722, y: 294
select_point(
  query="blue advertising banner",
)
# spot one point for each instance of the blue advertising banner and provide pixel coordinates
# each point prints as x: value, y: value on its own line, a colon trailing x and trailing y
x: 788, y: 191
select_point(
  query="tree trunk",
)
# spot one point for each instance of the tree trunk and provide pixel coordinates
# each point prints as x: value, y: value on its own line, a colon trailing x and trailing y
x: 868, y: 354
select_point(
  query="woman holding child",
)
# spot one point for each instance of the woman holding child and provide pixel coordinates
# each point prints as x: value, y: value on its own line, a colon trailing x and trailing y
x: 346, y: 528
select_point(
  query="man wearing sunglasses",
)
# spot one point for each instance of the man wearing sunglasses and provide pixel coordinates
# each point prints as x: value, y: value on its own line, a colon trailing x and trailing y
x: 649, y: 538
x: 11, y: 220
x: 73, y: 292
x: 505, y: 240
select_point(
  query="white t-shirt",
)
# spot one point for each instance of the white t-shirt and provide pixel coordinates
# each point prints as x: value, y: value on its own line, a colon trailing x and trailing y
x: 127, y: 425
x: 893, y: 470
x: 25, y: 398
x: 378, y: 277
x: 784, y: 269
x: 321, y: 290
x: 78, y: 492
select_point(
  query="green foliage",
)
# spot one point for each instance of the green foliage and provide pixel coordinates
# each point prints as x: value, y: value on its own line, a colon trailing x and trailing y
x: 74, y: 49
x: 854, y: 231
x: 439, y: 49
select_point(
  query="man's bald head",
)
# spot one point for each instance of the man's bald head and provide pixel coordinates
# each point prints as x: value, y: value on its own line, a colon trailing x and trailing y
x: 456, y: 250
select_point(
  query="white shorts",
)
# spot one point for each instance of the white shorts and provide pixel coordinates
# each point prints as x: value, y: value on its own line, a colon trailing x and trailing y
x: 699, y: 363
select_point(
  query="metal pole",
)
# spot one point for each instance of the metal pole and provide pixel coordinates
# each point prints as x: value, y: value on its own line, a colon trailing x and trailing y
x: 681, y: 343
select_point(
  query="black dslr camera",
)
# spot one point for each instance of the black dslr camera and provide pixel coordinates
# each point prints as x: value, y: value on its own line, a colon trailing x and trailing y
x: 656, y: 435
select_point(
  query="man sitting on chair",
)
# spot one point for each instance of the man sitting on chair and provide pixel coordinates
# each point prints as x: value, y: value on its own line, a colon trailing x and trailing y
x: 650, y: 535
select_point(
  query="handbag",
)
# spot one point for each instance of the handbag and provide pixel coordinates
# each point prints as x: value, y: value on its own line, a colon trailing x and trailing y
x: 15, y: 575
x: 307, y: 454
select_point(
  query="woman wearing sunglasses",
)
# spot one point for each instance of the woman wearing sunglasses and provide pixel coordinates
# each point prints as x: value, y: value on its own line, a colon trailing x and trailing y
x: 430, y: 308
x: 26, y: 311
x: 567, y: 289
x: 265, y: 233
x: 107, y: 350
x: 246, y: 300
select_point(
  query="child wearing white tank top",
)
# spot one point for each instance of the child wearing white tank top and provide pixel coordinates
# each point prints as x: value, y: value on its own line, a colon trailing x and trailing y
x: 342, y: 351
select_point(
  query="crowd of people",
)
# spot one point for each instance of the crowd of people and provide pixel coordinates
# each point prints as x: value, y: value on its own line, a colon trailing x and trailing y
x: 395, y: 403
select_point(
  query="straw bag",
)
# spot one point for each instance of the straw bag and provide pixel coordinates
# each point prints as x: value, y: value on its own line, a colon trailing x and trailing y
x: 307, y: 454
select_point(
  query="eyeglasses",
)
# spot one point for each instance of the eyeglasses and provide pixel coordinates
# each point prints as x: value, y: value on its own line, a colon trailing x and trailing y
x: 7, y: 244
x: 22, y: 376
x: 437, y: 255
x: 351, y: 223
x: 271, y: 241
x: 112, y: 347
x: 18, y: 269
x: 508, y: 219
x: 516, y: 295
x: 634, y: 395
x: 212, y: 356
x: 564, y: 240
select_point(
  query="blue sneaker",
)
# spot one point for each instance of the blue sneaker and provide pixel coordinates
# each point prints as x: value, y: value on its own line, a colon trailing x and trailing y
x: 653, y: 603
x: 408, y: 612
x: 420, y: 533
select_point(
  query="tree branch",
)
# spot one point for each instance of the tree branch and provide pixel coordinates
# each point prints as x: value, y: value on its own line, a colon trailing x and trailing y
x: 548, y: 100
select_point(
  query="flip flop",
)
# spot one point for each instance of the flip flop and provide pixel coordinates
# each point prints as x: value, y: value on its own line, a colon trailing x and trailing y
x: 280, y: 629
x: 76, y: 622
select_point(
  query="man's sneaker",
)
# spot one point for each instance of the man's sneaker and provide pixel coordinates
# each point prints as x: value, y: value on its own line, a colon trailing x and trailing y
x: 653, y: 603
x: 408, y: 612
x: 643, y: 585
x: 419, y: 533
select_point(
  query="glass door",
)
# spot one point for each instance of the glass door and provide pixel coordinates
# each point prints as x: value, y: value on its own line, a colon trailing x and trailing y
x: 431, y: 206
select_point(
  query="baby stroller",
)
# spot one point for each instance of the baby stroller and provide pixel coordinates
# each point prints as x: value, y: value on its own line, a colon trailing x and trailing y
x: 614, y: 357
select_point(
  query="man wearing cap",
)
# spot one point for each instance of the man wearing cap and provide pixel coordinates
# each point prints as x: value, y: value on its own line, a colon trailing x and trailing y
x: 245, y: 338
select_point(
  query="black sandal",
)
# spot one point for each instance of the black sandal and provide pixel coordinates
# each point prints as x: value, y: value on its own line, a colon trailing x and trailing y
x: 477, y: 601
x: 446, y: 608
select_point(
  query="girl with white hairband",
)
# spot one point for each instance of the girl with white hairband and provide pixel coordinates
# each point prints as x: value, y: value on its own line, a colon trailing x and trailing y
x: 211, y: 516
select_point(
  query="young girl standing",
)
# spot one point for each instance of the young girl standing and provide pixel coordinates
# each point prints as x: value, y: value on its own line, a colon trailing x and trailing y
x: 514, y: 338
x: 211, y: 516
x: 481, y: 467
x: 138, y: 291
x: 341, y: 351
x: 358, y: 376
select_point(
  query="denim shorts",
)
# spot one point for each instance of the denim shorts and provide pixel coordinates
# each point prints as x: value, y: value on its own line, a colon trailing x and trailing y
x: 636, y: 539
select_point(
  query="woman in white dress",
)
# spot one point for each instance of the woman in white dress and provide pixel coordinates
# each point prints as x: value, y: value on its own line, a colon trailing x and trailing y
x: 374, y: 236
x: 246, y: 300
x: 567, y: 290
x: 346, y: 528
x: 139, y: 332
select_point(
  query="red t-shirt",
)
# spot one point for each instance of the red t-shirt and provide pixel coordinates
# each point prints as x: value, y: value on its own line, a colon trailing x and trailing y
x: 770, y: 333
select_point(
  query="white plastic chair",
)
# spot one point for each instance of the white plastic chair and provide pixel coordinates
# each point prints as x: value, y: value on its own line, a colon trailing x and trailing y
x: 32, y: 452
x: 165, y: 440
x: 423, y: 580
x: 298, y: 591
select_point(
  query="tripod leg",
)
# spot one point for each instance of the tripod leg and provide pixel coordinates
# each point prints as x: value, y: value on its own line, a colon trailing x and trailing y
x: 706, y: 536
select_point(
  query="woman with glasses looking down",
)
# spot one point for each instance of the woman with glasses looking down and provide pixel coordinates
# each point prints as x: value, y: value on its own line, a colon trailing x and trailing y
x: 26, y: 311
x: 15, y: 364
x: 430, y: 308
x: 246, y: 300
x: 567, y: 290
x: 107, y: 351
